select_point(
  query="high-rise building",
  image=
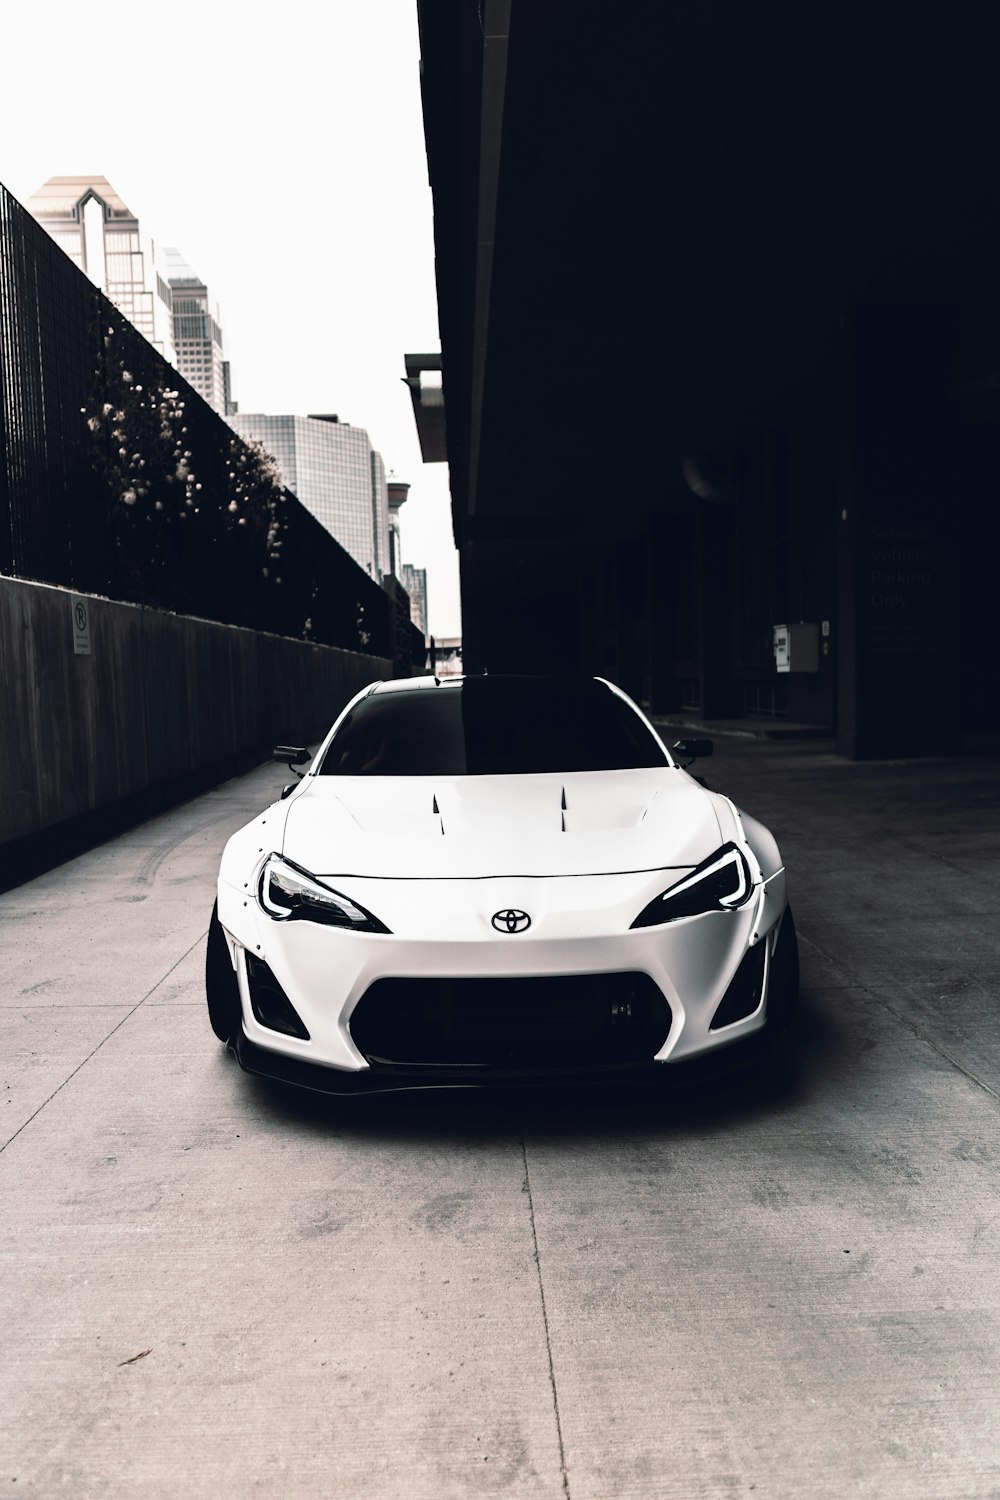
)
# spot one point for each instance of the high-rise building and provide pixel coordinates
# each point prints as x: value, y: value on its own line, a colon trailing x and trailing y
x: 336, y: 473
x: 101, y: 234
x: 414, y: 581
x: 197, y: 333
x: 231, y: 406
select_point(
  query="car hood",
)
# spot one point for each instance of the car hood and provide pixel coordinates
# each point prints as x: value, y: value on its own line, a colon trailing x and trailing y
x: 465, y: 827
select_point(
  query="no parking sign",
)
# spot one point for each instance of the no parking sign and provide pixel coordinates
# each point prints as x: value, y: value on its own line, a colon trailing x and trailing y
x: 81, y: 625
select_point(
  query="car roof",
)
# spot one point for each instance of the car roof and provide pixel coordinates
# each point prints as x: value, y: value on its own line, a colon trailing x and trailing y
x: 411, y: 684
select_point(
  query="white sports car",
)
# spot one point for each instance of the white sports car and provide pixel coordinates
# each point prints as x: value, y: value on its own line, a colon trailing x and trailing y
x: 496, y: 879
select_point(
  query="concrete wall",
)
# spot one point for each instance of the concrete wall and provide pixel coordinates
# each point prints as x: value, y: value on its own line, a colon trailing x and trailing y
x: 164, y: 704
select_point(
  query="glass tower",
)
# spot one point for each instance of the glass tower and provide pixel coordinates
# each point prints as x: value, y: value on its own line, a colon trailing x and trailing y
x: 197, y: 334
x: 414, y: 581
x: 101, y: 235
x: 336, y: 473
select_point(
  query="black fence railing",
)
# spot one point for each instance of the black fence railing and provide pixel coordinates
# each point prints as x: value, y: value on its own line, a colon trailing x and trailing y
x: 116, y: 478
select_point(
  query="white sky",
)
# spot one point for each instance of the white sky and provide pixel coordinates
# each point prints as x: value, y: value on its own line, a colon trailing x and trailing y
x: 280, y: 148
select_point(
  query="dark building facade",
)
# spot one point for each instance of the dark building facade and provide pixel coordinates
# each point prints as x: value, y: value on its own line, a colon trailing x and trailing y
x: 720, y: 346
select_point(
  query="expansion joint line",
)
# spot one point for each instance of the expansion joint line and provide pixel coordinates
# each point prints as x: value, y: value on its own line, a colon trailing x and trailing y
x: 545, y: 1319
x: 127, y: 1017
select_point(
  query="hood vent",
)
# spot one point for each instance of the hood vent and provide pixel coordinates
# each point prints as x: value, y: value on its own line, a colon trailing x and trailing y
x: 361, y: 825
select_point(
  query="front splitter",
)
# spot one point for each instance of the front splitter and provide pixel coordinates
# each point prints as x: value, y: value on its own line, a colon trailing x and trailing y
x: 395, y: 1078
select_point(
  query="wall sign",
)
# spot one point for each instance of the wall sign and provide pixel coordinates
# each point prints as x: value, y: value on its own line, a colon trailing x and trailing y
x: 81, y: 625
x: 781, y: 653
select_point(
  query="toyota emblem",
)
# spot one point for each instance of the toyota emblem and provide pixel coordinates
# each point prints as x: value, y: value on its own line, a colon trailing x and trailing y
x: 511, y: 920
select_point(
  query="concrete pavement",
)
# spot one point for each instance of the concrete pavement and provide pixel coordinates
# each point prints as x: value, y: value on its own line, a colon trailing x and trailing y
x: 215, y: 1287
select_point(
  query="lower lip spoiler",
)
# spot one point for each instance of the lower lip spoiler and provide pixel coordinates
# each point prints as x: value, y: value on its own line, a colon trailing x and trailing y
x: 389, y: 1078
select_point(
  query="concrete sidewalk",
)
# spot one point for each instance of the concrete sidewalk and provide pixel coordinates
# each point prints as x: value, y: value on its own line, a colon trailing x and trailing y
x: 212, y: 1287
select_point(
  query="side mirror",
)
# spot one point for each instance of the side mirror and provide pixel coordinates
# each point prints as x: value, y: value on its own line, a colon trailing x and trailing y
x: 291, y: 755
x: 286, y: 791
x: 693, y: 749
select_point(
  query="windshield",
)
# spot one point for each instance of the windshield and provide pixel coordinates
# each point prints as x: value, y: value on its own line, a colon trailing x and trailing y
x: 488, y: 726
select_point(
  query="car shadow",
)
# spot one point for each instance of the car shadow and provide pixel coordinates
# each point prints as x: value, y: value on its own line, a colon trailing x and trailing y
x: 419, y: 1116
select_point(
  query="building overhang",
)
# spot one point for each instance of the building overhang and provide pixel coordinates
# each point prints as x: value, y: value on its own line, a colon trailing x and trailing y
x: 424, y: 378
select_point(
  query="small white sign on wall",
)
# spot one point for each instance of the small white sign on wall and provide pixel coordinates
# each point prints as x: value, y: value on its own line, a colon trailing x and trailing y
x: 81, y: 625
x: 781, y: 652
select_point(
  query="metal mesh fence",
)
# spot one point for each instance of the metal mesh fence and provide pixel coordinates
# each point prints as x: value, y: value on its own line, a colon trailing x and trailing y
x: 116, y: 478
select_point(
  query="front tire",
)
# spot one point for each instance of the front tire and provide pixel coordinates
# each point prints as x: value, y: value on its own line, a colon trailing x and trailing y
x: 221, y: 988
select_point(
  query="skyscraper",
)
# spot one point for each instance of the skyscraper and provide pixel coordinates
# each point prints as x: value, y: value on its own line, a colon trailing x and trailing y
x: 414, y: 581
x: 336, y: 473
x: 197, y: 333
x: 100, y: 233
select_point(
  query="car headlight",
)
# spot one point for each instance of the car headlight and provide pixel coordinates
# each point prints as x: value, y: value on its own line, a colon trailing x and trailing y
x: 720, y: 883
x: 286, y: 892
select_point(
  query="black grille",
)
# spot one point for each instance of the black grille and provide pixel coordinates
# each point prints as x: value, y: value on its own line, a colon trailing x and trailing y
x: 576, y: 1020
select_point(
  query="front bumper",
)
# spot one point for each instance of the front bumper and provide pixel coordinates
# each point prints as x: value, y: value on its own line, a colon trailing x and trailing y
x: 580, y: 927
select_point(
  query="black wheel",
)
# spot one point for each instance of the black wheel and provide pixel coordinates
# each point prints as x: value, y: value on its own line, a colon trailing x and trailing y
x: 221, y: 988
